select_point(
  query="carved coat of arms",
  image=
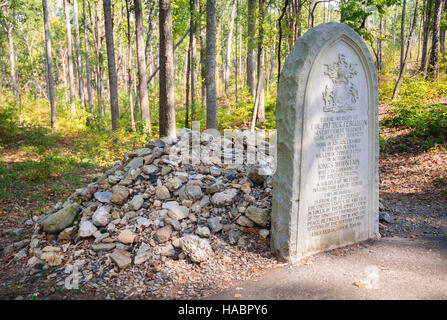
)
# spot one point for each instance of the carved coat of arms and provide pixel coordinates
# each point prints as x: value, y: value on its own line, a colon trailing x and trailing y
x: 342, y: 95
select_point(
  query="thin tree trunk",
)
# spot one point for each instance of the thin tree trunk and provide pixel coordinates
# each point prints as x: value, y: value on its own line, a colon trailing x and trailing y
x: 50, y: 80
x: 87, y: 63
x: 402, y: 34
x: 70, y: 58
x: 202, y: 60
x: 188, y: 71
x: 237, y: 44
x: 379, y: 47
x: 261, y: 52
x: 251, y: 55
x: 433, y: 67
x: 407, y: 52
x: 211, y: 107
x: 394, y: 24
x: 129, y: 69
x: 419, y: 38
x: 9, y: 28
x: 428, y: 14
x: 142, y: 76
x: 228, y: 47
x: 78, y: 52
x: 148, y: 50
x: 29, y: 46
x: 113, y: 81
x: 166, y: 64
x: 99, y: 58
x: 192, y: 48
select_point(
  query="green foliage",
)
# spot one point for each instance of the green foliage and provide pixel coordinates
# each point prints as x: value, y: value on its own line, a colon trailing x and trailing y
x: 355, y: 12
x: 415, y: 109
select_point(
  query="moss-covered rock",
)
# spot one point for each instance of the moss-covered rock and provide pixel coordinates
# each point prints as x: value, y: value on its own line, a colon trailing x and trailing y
x: 61, y: 219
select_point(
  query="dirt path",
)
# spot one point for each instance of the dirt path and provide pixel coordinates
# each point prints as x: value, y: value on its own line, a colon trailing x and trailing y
x: 403, y: 269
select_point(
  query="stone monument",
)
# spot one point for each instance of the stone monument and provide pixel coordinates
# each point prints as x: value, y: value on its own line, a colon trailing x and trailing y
x: 325, y: 191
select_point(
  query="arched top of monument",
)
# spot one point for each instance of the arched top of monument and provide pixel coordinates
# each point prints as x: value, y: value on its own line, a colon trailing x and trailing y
x: 307, y: 48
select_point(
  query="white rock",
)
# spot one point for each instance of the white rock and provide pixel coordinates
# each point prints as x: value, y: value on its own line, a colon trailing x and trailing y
x: 86, y: 229
x: 102, y: 216
x: 197, y: 249
x: 203, y: 232
x: 178, y: 212
x: 224, y: 198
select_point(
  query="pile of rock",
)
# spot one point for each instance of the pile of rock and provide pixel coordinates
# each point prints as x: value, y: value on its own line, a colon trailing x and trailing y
x: 155, y: 205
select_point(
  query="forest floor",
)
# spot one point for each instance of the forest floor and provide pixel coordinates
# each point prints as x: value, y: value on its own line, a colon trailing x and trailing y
x: 413, y: 191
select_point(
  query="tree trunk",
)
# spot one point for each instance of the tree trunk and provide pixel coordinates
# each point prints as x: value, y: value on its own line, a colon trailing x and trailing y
x: 78, y: 52
x: 202, y: 60
x: 129, y: 70
x: 113, y: 80
x: 394, y: 24
x: 428, y: 14
x: 251, y: 55
x: 9, y: 28
x: 261, y: 52
x: 228, y: 47
x: 166, y: 64
x: 211, y: 107
x: 193, y: 57
x: 29, y: 46
x: 407, y: 52
x: 150, y: 29
x: 402, y: 35
x: 50, y: 80
x: 236, y: 63
x: 87, y: 63
x: 379, y: 47
x: 99, y: 58
x: 188, y: 72
x: 142, y: 76
x: 433, y: 67
x: 70, y: 58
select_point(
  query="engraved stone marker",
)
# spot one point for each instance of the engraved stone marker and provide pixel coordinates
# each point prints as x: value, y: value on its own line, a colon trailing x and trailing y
x: 325, y: 191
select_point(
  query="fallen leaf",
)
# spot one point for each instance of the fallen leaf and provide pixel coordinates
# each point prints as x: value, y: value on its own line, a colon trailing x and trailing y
x: 252, y: 230
x: 237, y: 295
x: 413, y: 236
x: 359, y: 284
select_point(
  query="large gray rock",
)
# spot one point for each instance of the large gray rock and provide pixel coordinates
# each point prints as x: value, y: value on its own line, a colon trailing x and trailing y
x: 136, y: 203
x: 203, y: 232
x: 119, y: 195
x: 103, y: 197
x: 60, y: 220
x: 258, y: 172
x: 162, y: 193
x: 178, y: 212
x: 149, y: 169
x: 193, y: 192
x: 214, y: 224
x: 163, y: 234
x: 258, y: 215
x: 224, y: 198
x: 135, y: 163
x: 173, y: 183
x: 197, y: 249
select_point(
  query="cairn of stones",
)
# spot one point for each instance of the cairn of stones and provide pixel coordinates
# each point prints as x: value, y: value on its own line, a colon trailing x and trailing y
x: 166, y: 200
